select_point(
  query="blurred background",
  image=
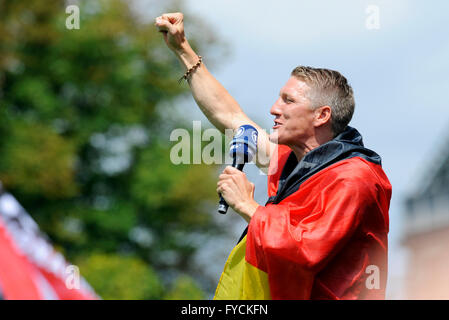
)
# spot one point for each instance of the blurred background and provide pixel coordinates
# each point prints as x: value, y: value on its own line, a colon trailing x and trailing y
x: 86, y: 116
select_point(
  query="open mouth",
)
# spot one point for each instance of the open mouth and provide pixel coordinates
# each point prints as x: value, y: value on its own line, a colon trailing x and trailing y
x: 276, y: 124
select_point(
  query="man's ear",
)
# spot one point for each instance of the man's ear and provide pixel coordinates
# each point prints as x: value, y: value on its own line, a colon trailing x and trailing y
x: 322, y: 115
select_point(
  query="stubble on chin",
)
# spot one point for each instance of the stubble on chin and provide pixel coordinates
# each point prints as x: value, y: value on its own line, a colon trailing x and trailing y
x: 273, y: 137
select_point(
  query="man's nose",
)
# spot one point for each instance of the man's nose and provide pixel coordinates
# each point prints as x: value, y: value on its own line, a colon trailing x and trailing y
x: 275, y: 109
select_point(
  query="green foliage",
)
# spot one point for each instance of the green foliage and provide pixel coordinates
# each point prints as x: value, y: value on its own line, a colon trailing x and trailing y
x: 185, y: 288
x: 82, y: 146
x: 37, y: 151
x: 117, y: 277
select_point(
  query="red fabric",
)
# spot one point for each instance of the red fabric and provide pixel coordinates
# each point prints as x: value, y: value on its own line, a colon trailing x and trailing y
x: 60, y: 288
x: 318, y: 242
x: 16, y: 273
x: 21, y: 279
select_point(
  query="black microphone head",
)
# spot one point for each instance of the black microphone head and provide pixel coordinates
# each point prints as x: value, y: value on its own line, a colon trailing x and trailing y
x: 244, y: 144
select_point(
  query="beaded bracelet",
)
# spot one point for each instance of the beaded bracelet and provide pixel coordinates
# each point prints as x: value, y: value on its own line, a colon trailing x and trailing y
x: 191, y: 69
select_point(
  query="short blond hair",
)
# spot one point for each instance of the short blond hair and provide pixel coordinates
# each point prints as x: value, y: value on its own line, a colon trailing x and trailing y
x: 329, y: 88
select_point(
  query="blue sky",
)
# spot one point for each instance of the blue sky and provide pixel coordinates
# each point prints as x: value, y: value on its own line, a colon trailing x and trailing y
x: 398, y: 72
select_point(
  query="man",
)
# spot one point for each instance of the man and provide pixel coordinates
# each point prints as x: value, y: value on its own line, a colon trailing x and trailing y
x: 323, y: 231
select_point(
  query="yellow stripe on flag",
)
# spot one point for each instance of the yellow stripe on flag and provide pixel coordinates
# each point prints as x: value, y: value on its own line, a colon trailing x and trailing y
x: 241, y: 280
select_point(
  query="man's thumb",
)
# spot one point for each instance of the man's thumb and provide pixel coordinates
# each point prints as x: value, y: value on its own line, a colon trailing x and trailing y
x: 164, y: 25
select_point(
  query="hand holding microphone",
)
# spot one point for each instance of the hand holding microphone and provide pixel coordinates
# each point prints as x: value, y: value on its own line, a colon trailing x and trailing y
x: 233, y: 186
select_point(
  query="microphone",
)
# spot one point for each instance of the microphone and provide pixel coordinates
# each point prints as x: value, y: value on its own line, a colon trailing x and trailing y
x: 242, y: 150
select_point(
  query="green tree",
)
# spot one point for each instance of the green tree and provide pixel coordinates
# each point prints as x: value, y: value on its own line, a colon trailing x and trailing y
x: 184, y: 288
x: 84, y: 148
x: 131, y: 277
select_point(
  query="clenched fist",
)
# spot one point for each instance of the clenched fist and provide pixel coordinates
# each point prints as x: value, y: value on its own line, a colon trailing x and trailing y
x: 172, y: 27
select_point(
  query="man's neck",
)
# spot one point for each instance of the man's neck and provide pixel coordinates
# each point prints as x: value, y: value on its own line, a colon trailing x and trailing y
x: 300, y: 150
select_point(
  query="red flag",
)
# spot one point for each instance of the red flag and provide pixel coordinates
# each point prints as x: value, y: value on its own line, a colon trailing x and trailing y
x: 30, y: 268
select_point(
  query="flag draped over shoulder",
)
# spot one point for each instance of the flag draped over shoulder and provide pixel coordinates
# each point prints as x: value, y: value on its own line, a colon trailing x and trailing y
x: 30, y: 269
x: 240, y: 279
x: 322, y: 232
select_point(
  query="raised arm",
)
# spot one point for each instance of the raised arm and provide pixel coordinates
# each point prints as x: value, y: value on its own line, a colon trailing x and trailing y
x: 214, y: 100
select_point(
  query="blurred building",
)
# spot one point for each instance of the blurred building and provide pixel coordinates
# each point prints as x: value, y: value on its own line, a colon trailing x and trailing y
x: 426, y: 234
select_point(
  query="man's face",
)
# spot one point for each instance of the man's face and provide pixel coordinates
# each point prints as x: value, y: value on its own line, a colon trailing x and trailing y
x: 294, y: 116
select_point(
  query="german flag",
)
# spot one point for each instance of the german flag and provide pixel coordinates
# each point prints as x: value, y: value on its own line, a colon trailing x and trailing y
x: 323, y: 232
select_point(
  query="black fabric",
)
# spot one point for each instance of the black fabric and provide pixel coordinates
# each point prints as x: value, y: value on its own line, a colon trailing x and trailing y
x: 347, y: 144
x: 243, y: 235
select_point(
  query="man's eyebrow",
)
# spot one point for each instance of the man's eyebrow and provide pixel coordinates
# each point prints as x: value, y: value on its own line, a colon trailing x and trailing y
x: 285, y: 94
